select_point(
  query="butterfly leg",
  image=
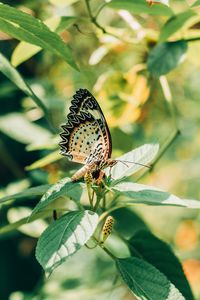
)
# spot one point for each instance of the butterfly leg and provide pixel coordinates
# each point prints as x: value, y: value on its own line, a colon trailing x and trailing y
x: 110, y: 173
x: 101, y: 175
x: 111, y: 163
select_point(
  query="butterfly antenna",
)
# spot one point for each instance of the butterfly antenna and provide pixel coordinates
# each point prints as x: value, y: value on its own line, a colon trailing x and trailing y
x: 132, y: 162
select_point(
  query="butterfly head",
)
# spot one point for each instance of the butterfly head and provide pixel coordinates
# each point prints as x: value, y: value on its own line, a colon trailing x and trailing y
x: 108, y: 163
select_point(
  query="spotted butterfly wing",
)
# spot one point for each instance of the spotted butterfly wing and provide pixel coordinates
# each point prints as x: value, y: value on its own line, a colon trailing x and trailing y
x: 86, y: 138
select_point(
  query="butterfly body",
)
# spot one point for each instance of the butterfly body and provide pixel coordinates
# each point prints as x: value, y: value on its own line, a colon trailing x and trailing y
x: 86, y: 138
x: 89, y: 168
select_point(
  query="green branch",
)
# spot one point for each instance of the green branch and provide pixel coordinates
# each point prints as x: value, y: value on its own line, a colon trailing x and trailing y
x: 100, y: 9
x: 94, y: 18
x: 164, y: 148
x: 197, y: 38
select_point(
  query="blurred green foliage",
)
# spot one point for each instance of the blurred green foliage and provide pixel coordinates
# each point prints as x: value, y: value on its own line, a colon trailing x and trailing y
x: 118, y: 55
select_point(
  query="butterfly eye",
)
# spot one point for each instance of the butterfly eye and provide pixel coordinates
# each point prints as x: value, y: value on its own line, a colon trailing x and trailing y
x: 107, y: 228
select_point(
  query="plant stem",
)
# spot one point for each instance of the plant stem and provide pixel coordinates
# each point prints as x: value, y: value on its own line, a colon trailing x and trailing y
x: 104, y: 201
x: 80, y: 206
x: 168, y: 97
x: 107, y: 251
x: 97, y: 203
x: 89, y: 195
x: 94, y: 21
x: 104, y: 248
x: 94, y: 18
x: 165, y: 147
x: 100, y: 9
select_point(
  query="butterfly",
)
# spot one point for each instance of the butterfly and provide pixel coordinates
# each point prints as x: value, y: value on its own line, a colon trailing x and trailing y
x: 86, y: 137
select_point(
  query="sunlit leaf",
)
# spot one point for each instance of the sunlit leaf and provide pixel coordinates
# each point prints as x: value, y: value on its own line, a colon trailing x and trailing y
x: 62, y: 3
x: 26, y: 28
x: 145, y: 281
x: 160, y: 255
x: 164, y: 57
x: 65, y: 22
x: 27, y: 193
x: 174, y: 24
x: 19, y: 128
x: 48, y: 144
x: 25, y: 50
x: 15, y: 187
x: 196, y: 3
x: 141, y: 7
x: 34, y: 229
x: 48, y: 159
x: 64, y: 237
x: 64, y: 188
x: 129, y: 163
x: 165, y: 2
x: 23, y: 221
x: 140, y: 193
x: 98, y: 55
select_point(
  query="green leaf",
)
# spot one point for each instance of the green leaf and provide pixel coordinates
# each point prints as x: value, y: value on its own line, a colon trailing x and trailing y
x: 19, y: 128
x: 98, y: 54
x: 29, y: 193
x: 127, y: 222
x: 50, y: 144
x: 141, y: 7
x: 9, y: 71
x: 196, y: 3
x: 36, y: 224
x: 62, y: 3
x: 165, y: 2
x: 63, y: 188
x: 127, y: 164
x: 64, y: 237
x: 44, y: 161
x: 164, y: 57
x: 17, y: 214
x: 160, y: 255
x: 174, y: 24
x: 65, y: 22
x: 25, y: 50
x: 25, y: 27
x: 139, y: 193
x: 145, y: 281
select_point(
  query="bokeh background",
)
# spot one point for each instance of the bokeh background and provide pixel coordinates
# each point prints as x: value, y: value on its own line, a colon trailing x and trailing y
x: 137, y: 110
